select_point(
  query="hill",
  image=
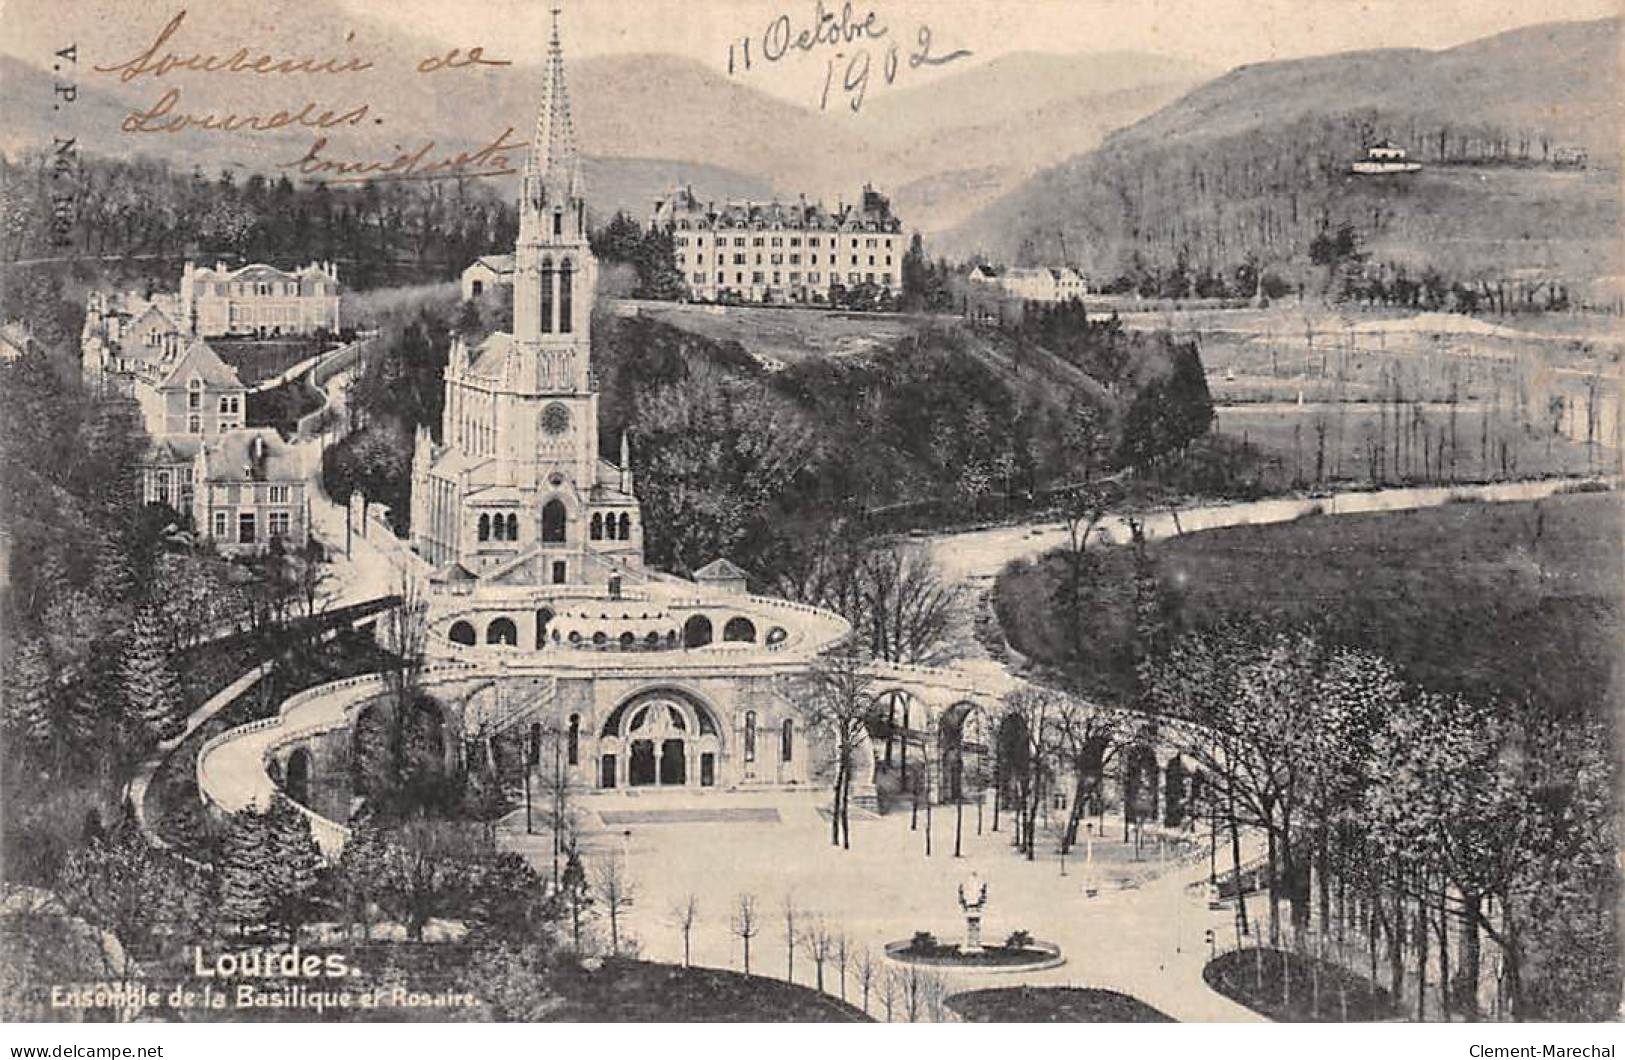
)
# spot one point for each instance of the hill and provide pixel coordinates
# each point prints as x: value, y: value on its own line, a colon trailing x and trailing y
x: 1255, y: 163
x: 651, y: 108
x: 1444, y: 593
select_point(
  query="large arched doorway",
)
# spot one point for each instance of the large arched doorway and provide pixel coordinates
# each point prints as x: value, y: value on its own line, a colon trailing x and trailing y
x: 697, y: 632
x: 462, y: 633
x: 502, y: 631
x: 739, y: 628
x: 297, y: 782
x: 553, y: 520
x: 663, y: 738
x: 656, y: 738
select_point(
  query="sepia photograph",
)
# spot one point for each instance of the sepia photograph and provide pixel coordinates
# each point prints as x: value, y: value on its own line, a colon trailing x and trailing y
x: 816, y: 511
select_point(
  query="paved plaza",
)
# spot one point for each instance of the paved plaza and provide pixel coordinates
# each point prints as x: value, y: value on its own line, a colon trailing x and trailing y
x: 1145, y: 940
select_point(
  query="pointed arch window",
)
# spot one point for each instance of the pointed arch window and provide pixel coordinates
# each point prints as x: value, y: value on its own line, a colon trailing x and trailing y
x: 547, y: 295
x: 566, y: 295
x: 787, y: 739
x: 750, y: 736
x: 596, y: 529
x: 485, y: 528
x: 626, y: 527
x: 513, y: 527
x: 553, y: 522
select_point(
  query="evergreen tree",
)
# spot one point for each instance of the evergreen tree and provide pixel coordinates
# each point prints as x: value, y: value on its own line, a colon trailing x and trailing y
x: 246, y: 872
x: 1190, y: 405
x: 656, y: 263
x: 297, y: 865
x: 154, y: 705
x: 29, y: 696
x: 360, y: 873
x: 576, y: 894
x: 916, y: 276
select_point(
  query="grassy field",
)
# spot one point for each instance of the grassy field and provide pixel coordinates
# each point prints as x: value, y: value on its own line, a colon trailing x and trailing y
x: 779, y: 336
x: 1314, y: 444
x: 624, y: 991
x: 1052, y: 1004
x: 1297, y: 988
x: 259, y: 359
x: 1514, y: 600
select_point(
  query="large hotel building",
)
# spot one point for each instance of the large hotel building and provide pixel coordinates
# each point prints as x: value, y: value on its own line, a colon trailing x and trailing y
x: 782, y: 252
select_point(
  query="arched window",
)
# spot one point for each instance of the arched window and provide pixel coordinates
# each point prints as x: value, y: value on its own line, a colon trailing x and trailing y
x: 553, y: 521
x: 750, y: 736
x: 575, y: 739
x: 502, y: 631
x: 596, y: 530
x: 787, y: 739
x: 461, y: 633
x: 626, y: 527
x: 485, y: 528
x: 547, y: 295
x: 566, y: 275
x: 697, y: 632
x: 739, y: 628
x: 513, y: 527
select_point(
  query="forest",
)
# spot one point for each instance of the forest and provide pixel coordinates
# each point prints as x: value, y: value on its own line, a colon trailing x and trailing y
x: 149, y: 216
x: 1426, y: 792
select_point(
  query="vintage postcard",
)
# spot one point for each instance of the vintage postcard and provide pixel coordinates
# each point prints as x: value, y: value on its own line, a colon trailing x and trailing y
x: 741, y: 510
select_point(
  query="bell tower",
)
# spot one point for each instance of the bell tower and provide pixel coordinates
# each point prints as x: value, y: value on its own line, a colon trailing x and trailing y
x: 555, y: 274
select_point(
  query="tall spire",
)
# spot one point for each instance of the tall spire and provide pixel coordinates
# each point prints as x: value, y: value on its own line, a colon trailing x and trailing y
x: 553, y: 169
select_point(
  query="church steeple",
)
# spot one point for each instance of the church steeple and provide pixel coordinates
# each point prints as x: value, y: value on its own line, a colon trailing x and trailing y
x: 552, y: 176
x: 554, y: 271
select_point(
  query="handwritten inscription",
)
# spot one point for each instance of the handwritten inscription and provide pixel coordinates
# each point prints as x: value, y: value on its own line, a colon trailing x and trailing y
x: 849, y: 41
x: 163, y: 57
x: 241, y: 61
x: 489, y: 161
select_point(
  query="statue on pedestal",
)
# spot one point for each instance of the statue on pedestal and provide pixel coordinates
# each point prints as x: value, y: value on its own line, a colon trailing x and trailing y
x: 972, y: 900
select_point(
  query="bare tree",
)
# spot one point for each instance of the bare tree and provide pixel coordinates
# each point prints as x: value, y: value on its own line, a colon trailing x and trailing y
x: 1087, y: 738
x: 889, y: 987
x: 684, y: 914
x: 546, y: 754
x: 617, y: 892
x: 843, y: 958
x: 792, y: 936
x: 914, y: 987
x: 935, y: 992
x: 866, y: 970
x: 908, y: 608
x: 819, y: 942
x: 1027, y: 726
x: 838, y: 692
x: 745, y: 923
x: 404, y: 628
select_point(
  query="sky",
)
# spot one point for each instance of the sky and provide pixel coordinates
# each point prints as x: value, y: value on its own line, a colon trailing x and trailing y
x: 1223, y: 33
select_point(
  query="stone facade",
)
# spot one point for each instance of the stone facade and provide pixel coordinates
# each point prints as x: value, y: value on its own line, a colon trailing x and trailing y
x: 514, y: 489
x: 260, y: 300
x: 782, y: 252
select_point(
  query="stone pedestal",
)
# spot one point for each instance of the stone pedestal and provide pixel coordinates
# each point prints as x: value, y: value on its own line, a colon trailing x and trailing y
x: 973, y: 934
